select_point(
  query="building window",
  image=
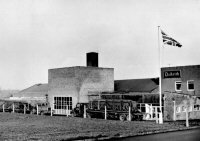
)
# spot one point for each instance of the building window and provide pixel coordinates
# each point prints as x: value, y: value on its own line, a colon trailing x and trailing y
x: 190, y: 85
x: 190, y: 108
x: 178, y: 109
x: 196, y: 107
x: 63, y: 103
x: 178, y: 86
x: 183, y: 109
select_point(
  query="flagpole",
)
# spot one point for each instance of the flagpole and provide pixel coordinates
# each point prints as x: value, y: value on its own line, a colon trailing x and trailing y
x: 160, y: 90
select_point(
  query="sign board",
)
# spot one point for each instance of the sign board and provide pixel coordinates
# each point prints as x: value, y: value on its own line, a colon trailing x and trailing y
x: 172, y: 74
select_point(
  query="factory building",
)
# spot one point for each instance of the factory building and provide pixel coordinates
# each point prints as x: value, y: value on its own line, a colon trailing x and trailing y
x: 181, y: 92
x: 71, y: 85
x: 180, y: 88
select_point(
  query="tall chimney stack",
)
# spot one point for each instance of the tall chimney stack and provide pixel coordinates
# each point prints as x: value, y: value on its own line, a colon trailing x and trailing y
x: 92, y: 59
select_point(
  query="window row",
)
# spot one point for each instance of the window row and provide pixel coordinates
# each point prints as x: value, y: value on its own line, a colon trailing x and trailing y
x: 190, y: 85
x: 180, y: 109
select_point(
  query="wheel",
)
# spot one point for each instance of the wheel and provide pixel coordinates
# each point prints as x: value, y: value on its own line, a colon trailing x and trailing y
x: 141, y: 118
x: 33, y: 111
x: 127, y: 117
x: 134, y: 117
x: 42, y: 113
x: 137, y: 118
x: 88, y: 115
x: 122, y: 117
x: 73, y: 115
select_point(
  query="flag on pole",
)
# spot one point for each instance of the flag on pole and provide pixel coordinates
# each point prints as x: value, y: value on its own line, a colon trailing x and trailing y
x: 169, y: 40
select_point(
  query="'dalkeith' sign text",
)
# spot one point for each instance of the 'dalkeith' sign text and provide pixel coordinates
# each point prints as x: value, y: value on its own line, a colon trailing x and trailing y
x: 172, y: 74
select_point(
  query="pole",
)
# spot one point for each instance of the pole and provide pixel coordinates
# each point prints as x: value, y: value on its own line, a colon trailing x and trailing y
x: 67, y: 110
x: 24, y: 108
x: 151, y: 111
x: 3, y: 107
x: 160, y: 88
x: 51, y: 111
x: 13, y: 107
x: 37, y: 110
x: 105, y: 113
x: 84, y: 114
x: 186, y: 114
x: 174, y: 110
x: 156, y: 113
x: 129, y: 113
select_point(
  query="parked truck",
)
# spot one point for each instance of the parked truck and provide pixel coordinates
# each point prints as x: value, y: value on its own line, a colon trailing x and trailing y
x: 115, y: 109
x: 78, y: 111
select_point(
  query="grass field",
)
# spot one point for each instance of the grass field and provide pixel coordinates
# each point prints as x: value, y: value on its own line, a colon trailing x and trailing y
x: 15, y: 126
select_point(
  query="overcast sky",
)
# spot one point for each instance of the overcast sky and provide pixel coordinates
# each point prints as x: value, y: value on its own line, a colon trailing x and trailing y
x: 36, y: 35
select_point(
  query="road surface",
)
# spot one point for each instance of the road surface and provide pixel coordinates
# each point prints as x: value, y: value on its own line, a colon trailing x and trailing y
x: 187, y: 135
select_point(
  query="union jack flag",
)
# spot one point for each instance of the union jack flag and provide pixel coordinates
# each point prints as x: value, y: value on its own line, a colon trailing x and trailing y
x: 169, y: 40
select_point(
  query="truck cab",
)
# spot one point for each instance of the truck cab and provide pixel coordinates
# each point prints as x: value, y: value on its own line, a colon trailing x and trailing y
x: 78, y: 111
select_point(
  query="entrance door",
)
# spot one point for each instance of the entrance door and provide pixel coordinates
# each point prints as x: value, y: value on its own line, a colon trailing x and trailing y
x: 62, y: 105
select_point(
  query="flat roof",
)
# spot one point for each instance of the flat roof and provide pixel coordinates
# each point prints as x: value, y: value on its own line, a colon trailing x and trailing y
x: 198, y: 66
x: 81, y: 67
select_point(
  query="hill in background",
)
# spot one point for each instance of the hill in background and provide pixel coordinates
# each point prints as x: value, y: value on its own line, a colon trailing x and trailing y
x: 7, y: 93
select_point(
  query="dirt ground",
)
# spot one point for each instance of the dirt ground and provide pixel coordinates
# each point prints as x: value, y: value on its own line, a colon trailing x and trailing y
x: 15, y: 126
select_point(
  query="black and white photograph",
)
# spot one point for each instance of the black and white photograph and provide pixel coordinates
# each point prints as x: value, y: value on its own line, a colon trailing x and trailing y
x: 88, y: 70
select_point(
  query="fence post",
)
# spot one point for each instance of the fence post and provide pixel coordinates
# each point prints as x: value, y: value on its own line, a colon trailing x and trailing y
x: 187, y: 122
x: 174, y: 110
x: 3, y: 107
x: 156, y: 112
x: 84, y: 114
x: 13, y: 107
x: 151, y: 112
x: 129, y: 113
x: 24, y: 108
x: 37, y: 110
x: 105, y: 113
x: 51, y: 111
x: 160, y: 118
x: 67, y: 111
